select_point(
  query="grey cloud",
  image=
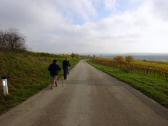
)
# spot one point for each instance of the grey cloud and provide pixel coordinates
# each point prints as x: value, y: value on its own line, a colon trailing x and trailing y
x: 161, y: 8
x: 48, y: 28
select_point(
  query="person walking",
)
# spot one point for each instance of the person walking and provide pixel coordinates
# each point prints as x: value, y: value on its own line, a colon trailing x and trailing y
x: 54, y: 70
x: 66, y: 66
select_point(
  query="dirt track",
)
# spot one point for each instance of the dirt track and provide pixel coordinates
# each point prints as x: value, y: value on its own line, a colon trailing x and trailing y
x: 88, y: 98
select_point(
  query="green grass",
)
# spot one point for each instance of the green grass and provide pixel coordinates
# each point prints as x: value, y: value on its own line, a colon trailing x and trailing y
x: 28, y: 74
x: 156, y: 88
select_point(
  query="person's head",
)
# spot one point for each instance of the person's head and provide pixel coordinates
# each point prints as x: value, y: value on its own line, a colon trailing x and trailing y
x: 54, y: 61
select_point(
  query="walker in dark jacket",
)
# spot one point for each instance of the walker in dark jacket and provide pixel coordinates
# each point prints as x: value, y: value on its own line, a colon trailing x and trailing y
x: 54, y: 69
x: 65, y: 64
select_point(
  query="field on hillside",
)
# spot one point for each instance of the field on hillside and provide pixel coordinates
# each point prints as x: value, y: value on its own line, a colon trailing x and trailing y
x: 148, y: 77
x: 28, y: 74
x: 158, y: 69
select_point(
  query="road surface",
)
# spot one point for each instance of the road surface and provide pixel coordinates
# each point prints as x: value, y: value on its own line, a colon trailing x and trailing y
x: 88, y: 98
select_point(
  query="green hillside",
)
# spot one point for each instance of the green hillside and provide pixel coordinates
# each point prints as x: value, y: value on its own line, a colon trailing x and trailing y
x: 28, y: 74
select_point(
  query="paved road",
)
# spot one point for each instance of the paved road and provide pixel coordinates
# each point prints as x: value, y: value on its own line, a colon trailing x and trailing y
x: 88, y: 98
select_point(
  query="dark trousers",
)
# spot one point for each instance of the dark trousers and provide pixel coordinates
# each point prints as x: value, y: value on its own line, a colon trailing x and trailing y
x: 65, y: 73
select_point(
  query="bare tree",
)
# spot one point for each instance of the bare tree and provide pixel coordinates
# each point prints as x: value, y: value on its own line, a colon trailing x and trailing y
x: 12, y: 40
x: 3, y: 43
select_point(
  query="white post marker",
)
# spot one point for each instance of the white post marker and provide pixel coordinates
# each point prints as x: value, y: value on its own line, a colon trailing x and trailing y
x: 5, y: 86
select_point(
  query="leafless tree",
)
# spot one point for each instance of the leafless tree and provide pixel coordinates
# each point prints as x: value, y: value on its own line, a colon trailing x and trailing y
x: 3, y: 43
x: 12, y: 40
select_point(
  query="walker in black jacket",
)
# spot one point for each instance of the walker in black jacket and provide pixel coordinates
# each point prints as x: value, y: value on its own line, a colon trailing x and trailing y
x: 66, y: 65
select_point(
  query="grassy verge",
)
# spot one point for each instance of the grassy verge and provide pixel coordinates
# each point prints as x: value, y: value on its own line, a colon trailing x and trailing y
x: 28, y: 75
x: 151, y: 86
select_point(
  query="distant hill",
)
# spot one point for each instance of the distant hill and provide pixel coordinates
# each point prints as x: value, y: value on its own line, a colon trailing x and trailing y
x: 150, y: 57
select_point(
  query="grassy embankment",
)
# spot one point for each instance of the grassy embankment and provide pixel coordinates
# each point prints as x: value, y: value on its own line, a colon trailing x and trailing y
x: 28, y: 75
x: 152, y: 85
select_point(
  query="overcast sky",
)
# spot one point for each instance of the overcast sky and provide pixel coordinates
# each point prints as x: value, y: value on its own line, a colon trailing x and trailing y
x: 89, y: 26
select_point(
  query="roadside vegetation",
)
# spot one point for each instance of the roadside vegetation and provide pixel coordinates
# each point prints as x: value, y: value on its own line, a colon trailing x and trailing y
x: 149, y: 77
